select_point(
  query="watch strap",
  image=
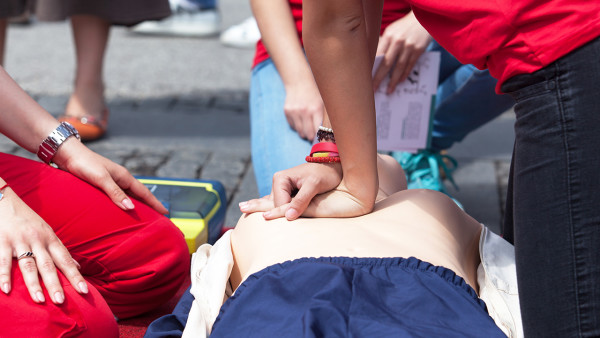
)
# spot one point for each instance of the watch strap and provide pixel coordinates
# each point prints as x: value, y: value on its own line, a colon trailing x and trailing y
x: 50, y: 145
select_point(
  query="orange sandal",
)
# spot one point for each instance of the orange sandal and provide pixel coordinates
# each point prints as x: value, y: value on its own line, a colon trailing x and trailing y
x: 90, y: 128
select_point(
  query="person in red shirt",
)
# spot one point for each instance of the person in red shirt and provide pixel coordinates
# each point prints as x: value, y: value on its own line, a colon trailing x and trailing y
x: 285, y: 103
x: 76, y: 252
x: 545, y: 55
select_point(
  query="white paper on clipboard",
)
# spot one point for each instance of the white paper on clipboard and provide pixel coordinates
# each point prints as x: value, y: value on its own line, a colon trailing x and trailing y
x: 404, y: 117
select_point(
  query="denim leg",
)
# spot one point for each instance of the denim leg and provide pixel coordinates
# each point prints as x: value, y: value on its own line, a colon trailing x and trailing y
x: 508, y: 230
x: 556, y: 195
x: 202, y: 4
x: 275, y: 145
x: 465, y: 100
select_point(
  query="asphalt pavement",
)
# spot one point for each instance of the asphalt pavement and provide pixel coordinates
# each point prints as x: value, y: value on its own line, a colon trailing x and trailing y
x: 179, y: 108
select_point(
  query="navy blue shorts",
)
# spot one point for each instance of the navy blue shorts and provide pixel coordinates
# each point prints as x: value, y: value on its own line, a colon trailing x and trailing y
x: 354, y: 297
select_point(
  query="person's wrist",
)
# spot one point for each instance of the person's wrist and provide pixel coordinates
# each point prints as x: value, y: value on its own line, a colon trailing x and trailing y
x: 303, y: 83
x: 361, y: 178
x: 51, y: 145
x: 66, y: 152
x: 364, y: 195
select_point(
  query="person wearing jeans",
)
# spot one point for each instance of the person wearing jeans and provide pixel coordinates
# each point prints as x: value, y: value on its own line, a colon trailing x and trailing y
x: 545, y: 55
x: 275, y: 145
x: 555, y: 183
x: 465, y: 101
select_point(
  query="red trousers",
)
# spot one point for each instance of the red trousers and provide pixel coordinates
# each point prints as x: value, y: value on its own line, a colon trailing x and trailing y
x: 133, y: 261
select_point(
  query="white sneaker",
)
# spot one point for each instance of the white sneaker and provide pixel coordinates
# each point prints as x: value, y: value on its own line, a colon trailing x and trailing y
x: 189, y: 23
x: 242, y: 35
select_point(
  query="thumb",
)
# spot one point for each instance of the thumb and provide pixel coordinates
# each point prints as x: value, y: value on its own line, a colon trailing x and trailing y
x: 301, y: 201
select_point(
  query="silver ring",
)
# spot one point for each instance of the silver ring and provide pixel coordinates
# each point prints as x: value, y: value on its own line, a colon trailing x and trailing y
x: 25, y: 255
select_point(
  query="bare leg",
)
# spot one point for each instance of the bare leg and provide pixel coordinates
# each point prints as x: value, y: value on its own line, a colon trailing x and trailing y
x: 2, y: 40
x: 90, y: 35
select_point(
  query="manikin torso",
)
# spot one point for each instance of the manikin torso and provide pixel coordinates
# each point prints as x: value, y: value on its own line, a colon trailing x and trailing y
x: 419, y: 223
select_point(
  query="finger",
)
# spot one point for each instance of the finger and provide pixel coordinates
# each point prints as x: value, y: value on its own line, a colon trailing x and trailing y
x: 281, y: 189
x: 257, y: 205
x: 139, y: 191
x: 389, y: 60
x: 307, y: 126
x: 125, y: 181
x: 108, y: 183
x: 298, y: 124
x: 400, y: 73
x: 410, y: 64
x: 243, y: 204
x: 68, y: 266
x: 277, y: 212
x: 47, y: 270
x: 289, y: 116
x: 317, y: 119
x: 382, y: 46
x: 302, y: 199
x: 380, y: 73
x: 5, y: 266
x: 29, y: 271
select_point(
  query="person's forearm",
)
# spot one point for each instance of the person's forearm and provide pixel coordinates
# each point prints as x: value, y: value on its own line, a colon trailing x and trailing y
x: 373, y: 12
x: 280, y: 37
x: 21, y: 118
x: 373, y: 27
x: 341, y: 57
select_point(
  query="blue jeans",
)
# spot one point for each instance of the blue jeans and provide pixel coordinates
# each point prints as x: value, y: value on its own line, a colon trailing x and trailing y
x: 553, y: 202
x: 275, y: 145
x: 204, y: 4
x: 465, y: 101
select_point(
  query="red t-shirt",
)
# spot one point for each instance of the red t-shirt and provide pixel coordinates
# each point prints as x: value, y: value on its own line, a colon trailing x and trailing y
x: 392, y: 11
x: 509, y: 37
x: 506, y: 36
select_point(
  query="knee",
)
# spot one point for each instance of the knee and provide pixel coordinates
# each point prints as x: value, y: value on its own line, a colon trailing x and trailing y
x: 162, y: 256
x: 169, y: 246
x: 79, y: 316
x: 150, y: 279
x: 480, y: 73
x: 391, y: 176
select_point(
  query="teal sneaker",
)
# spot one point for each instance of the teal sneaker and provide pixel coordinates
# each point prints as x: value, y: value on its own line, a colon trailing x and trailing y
x: 423, y: 170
